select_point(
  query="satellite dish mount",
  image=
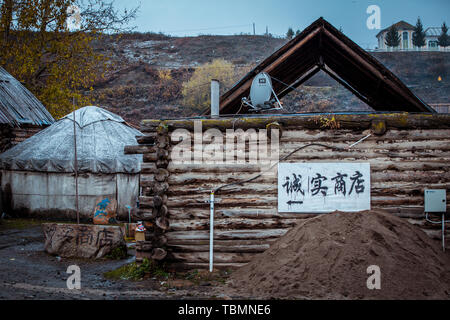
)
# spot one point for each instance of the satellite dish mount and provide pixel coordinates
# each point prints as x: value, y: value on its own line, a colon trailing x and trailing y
x: 260, y: 95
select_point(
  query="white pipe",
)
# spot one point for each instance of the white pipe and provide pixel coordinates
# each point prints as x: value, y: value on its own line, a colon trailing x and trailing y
x: 443, y: 232
x: 211, y: 232
x: 215, y: 97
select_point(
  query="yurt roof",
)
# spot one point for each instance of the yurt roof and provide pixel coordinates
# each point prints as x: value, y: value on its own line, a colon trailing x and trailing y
x: 101, y: 137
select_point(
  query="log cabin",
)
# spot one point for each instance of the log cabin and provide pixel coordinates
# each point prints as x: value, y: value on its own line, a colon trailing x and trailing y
x: 406, y: 143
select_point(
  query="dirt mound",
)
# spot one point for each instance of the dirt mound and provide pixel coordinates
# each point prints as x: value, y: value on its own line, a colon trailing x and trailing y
x: 327, y: 257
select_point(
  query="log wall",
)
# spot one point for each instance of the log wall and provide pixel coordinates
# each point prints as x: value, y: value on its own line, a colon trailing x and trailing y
x: 11, y: 136
x: 407, y: 154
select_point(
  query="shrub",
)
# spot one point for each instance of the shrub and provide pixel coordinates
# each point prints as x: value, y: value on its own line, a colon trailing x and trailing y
x: 197, y: 92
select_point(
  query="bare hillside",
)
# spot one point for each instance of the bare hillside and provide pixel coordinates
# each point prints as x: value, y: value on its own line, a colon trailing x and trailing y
x: 136, y: 90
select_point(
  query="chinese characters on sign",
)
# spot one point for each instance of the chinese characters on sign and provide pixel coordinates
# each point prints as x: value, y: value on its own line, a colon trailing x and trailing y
x: 323, y: 187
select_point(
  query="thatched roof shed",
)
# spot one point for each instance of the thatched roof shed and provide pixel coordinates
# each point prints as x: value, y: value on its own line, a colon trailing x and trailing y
x: 18, y: 105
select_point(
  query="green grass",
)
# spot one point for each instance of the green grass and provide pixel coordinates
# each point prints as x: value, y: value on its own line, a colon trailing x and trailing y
x: 136, y: 272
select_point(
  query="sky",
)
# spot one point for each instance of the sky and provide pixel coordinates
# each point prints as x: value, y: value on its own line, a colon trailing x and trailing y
x: 227, y: 17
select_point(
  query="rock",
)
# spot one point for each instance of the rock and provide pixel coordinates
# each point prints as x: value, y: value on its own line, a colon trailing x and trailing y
x: 81, y: 241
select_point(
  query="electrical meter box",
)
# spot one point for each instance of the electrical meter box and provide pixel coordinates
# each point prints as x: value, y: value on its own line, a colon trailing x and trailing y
x: 435, y: 200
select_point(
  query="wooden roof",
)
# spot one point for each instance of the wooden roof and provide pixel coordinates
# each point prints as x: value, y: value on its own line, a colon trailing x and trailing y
x: 18, y: 105
x: 322, y: 47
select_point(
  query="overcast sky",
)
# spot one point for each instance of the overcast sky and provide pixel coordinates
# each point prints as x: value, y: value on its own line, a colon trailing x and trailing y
x: 193, y: 17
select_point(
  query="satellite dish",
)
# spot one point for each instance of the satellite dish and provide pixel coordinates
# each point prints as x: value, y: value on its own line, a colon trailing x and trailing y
x: 261, y: 90
x: 260, y: 94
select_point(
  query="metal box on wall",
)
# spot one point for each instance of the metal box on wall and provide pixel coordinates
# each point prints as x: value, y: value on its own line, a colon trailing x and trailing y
x: 435, y: 200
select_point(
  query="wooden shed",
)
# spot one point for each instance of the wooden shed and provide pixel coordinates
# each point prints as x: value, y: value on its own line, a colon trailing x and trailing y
x: 21, y: 114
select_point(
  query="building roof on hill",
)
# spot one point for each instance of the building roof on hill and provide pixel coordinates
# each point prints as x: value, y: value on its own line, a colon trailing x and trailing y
x: 18, y: 105
x: 322, y: 47
x: 433, y: 31
x: 401, y: 25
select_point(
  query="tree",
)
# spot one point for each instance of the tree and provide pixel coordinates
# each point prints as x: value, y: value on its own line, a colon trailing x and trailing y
x: 392, y: 37
x: 418, y: 35
x: 290, y: 33
x: 197, y: 91
x: 297, y: 32
x: 444, y: 38
x: 56, y: 64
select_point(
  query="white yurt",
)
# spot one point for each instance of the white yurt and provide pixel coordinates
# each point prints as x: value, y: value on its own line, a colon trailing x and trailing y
x: 38, y: 176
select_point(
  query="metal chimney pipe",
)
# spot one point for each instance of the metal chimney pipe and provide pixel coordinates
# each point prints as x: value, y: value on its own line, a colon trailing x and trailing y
x: 215, y: 96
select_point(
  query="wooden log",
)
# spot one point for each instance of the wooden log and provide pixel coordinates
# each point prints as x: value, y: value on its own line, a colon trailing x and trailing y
x: 226, y: 234
x: 162, y: 163
x: 254, y: 248
x: 162, y: 141
x: 139, y: 149
x: 149, y: 138
x: 219, y: 257
x: 145, y: 203
x: 144, y: 246
x: 162, y: 211
x: 150, y: 157
x: 160, y: 188
x: 162, y: 154
x: 160, y: 241
x: 162, y: 223
x: 347, y: 121
x: 228, y: 243
x: 232, y: 224
x: 262, y: 212
x: 158, y: 201
x: 178, y: 266
x: 148, y: 167
x: 159, y: 254
x: 161, y: 175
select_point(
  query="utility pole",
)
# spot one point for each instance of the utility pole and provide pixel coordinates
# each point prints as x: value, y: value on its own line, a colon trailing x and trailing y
x: 267, y: 31
x: 254, y: 30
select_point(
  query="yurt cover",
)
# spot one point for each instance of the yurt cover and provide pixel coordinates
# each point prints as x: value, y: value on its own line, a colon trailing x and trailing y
x: 101, y: 137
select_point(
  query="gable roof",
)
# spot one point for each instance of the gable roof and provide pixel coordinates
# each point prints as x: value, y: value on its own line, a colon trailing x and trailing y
x: 322, y: 47
x: 433, y: 31
x: 18, y: 105
x: 401, y: 25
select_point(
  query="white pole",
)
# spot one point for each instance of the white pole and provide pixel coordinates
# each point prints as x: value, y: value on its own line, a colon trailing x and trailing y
x: 215, y: 96
x: 211, y: 232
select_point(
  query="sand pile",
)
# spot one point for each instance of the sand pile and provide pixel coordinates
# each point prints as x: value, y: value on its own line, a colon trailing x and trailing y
x: 327, y: 257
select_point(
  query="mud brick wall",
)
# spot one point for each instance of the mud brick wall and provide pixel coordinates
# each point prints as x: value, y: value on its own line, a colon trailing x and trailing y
x: 407, y: 153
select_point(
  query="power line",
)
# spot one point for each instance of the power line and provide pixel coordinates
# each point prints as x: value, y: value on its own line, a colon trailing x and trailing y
x: 213, y: 28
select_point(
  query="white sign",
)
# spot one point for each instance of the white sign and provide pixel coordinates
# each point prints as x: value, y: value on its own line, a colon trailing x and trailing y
x: 323, y: 187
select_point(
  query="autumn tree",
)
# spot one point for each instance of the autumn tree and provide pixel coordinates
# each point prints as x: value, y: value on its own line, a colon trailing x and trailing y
x: 57, y: 64
x: 392, y: 37
x: 197, y: 91
x: 444, y: 38
x: 418, y: 35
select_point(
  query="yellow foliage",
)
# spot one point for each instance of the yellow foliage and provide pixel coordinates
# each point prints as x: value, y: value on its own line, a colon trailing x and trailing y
x: 164, y: 75
x: 58, y: 66
x: 197, y: 91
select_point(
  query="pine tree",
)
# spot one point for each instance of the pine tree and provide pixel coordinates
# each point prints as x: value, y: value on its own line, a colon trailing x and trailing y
x: 419, y: 34
x: 444, y: 38
x: 298, y: 32
x: 392, y: 37
x: 290, y: 33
